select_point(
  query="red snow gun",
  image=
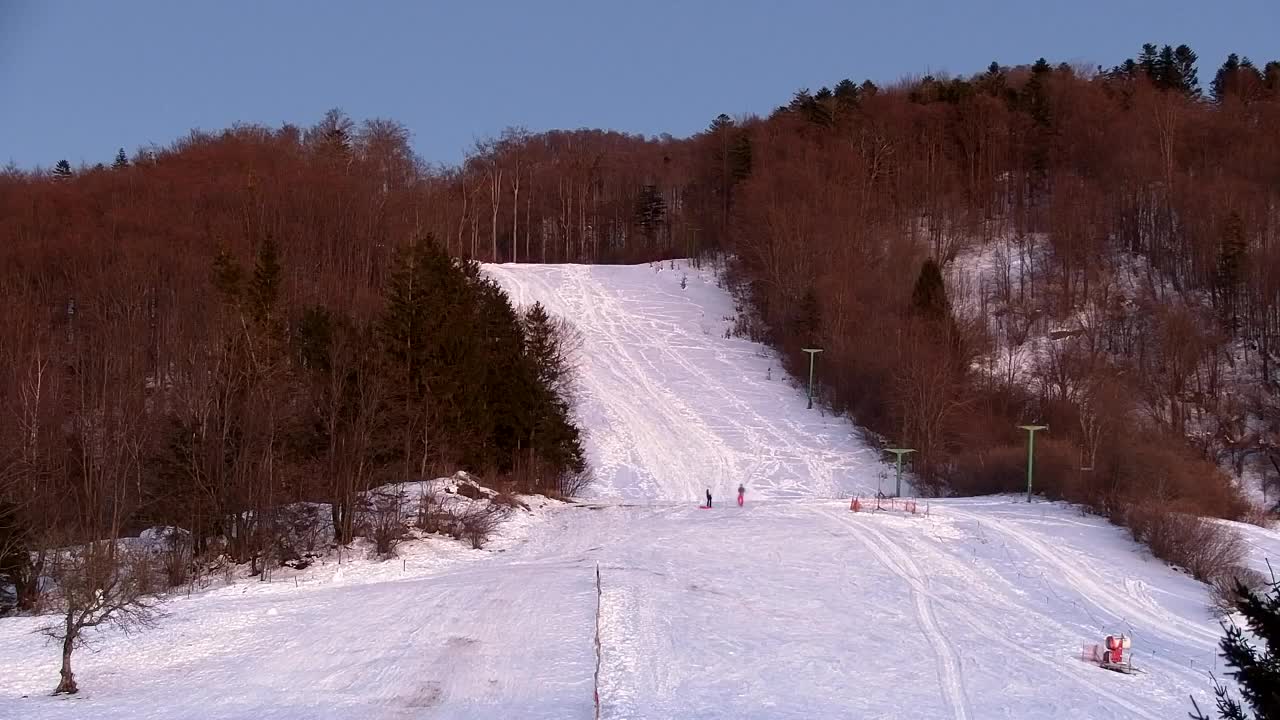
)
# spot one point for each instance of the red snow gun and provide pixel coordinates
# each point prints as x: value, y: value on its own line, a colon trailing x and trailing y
x: 1114, y: 657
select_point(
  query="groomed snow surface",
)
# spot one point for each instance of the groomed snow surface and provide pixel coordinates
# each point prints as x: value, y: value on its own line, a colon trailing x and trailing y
x: 789, y: 607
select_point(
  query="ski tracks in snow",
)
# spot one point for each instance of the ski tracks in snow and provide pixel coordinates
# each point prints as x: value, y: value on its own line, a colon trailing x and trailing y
x: 950, y: 672
x: 898, y: 560
x: 671, y: 407
x: 1134, y: 604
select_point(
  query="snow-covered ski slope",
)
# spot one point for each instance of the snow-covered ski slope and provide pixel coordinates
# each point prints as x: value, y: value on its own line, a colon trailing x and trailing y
x: 790, y: 607
x: 672, y: 407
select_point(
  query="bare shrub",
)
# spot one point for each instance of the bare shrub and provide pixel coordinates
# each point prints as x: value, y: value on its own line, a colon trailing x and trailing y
x: 301, y: 528
x: 384, y: 520
x: 1202, y: 547
x: 572, y: 484
x: 478, y: 521
x: 430, y: 514
x: 176, y: 558
x: 1225, y: 587
x: 1260, y: 516
x: 509, y: 501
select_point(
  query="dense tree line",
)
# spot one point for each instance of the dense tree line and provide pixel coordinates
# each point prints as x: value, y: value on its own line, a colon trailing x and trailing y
x: 204, y: 334
x: 1127, y: 217
x: 1134, y: 227
x: 1127, y: 221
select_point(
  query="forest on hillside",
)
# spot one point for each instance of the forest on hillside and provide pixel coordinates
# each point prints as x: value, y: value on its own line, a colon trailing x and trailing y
x: 186, y: 327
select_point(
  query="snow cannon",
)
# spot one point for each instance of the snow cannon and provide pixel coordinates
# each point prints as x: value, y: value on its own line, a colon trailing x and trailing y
x: 1115, y: 656
x: 1115, y: 649
x: 855, y: 505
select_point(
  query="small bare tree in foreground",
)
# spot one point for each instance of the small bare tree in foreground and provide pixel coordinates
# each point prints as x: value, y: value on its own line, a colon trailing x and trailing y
x: 99, y: 584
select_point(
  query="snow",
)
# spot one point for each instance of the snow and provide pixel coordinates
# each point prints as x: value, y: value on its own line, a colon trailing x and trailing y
x: 789, y: 607
x: 671, y: 406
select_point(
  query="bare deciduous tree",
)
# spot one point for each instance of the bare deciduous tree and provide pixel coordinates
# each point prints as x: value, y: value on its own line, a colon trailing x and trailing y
x: 98, y: 584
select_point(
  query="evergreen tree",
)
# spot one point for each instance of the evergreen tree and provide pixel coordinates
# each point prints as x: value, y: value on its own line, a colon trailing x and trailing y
x: 264, y: 287
x: 1165, y: 72
x: 544, y: 348
x: 846, y: 94
x: 1184, y: 77
x: 313, y: 338
x: 1036, y: 93
x: 1271, y: 75
x: 1148, y: 61
x: 426, y: 344
x: 227, y: 275
x: 15, y: 560
x: 1256, y: 669
x: 740, y: 157
x: 993, y: 81
x: 929, y: 296
x: 62, y: 171
x: 503, y: 390
x: 808, y: 319
x: 651, y: 211
x: 554, y: 436
x: 122, y: 160
x: 332, y: 135
x: 1222, y: 79
x: 1232, y: 254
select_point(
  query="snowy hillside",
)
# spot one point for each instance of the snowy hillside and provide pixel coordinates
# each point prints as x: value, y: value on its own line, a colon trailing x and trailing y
x: 790, y: 607
x: 672, y: 406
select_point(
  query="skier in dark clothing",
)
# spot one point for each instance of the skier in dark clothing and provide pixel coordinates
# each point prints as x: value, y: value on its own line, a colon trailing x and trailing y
x: 708, y: 497
x: 742, y: 491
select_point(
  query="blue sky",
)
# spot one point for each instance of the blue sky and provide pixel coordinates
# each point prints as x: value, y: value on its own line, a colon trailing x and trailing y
x: 79, y: 79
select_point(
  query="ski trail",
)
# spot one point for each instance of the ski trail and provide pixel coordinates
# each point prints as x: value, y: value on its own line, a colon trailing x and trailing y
x: 950, y: 673
x: 1096, y: 593
x: 902, y: 565
x: 671, y: 406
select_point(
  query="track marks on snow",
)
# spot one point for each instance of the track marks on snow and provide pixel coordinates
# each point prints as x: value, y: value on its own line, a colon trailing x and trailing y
x: 950, y: 672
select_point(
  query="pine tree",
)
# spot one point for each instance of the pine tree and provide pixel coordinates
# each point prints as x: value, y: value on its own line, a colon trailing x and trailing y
x: 1036, y: 93
x: 264, y: 287
x: 1232, y: 254
x: 62, y: 171
x: 544, y: 347
x: 1271, y: 76
x: 740, y: 157
x: 332, y: 135
x: 554, y: 437
x: 313, y: 338
x: 122, y: 160
x: 1222, y: 80
x: 425, y: 336
x: 808, y: 322
x: 929, y: 296
x: 227, y: 275
x: 1148, y: 61
x: 1184, y: 75
x: 992, y: 82
x: 15, y: 560
x: 846, y: 94
x: 1256, y: 669
x: 651, y: 211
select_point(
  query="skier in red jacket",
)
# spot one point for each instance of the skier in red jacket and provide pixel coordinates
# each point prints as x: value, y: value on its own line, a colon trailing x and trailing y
x: 741, y: 492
